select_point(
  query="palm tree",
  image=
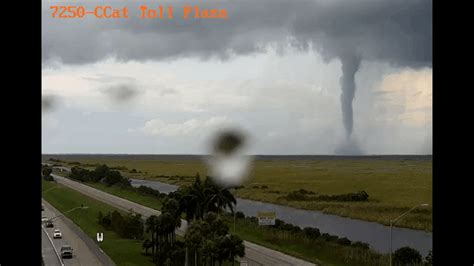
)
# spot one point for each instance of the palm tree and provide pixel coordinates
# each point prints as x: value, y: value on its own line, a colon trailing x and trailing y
x: 209, y: 250
x: 236, y: 248
x: 159, y: 238
x: 201, y: 203
x: 163, y: 228
x: 185, y: 202
x: 215, y: 225
x: 170, y: 211
x: 223, y: 252
x: 194, y: 237
x: 218, y: 198
x: 192, y: 199
x: 151, y: 227
x: 146, y: 245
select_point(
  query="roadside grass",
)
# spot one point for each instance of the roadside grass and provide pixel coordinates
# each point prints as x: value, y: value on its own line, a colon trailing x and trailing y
x: 393, y: 185
x: 124, y: 252
x: 144, y: 200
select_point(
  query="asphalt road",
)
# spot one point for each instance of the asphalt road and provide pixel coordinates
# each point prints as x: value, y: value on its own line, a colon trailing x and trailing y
x: 85, y: 251
x: 48, y: 250
x: 255, y: 254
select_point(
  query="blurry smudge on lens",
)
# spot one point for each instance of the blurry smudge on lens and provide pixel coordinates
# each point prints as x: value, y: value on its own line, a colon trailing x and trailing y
x: 228, y: 142
x: 48, y: 103
x: 122, y: 92
x: 229, y: 164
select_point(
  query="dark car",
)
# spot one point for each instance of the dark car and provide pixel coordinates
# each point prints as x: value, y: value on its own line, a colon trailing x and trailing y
x: 42, y: 207
x: 66, y: 251
x: 49, y: 224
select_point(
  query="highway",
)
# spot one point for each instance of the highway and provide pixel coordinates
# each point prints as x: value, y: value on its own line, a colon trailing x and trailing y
x: 85, y: 250
x: 255, y: 254
x: 48, y: 251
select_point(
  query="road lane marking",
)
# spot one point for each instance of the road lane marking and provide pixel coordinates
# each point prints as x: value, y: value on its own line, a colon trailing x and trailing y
x: 55, y: 250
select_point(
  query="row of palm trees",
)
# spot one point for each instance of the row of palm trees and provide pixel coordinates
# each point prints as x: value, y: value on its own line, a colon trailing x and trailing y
x: 207, y: 236
x: 162, y: 231
x: 210, y: 242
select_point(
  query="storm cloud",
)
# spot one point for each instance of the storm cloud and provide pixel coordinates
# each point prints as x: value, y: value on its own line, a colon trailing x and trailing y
x: 399, y: 32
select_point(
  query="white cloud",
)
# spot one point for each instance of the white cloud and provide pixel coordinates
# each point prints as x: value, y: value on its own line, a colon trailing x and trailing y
x: 191, y: 127
x: 408, y: 94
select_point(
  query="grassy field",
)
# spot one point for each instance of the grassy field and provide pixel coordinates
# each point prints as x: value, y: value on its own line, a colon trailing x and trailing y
x: 394, y: 184
x: 122, y: 251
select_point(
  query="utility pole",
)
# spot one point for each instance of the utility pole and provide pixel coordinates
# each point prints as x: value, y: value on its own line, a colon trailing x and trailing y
x: 392, y: 222
x: 234, y: 222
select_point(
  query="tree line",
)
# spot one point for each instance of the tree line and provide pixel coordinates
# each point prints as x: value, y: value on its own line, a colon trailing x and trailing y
x: 101, y: 173
x: 111, y: 177
x: 305, y: 195
x: 46, y: 172
x: 130, y: 226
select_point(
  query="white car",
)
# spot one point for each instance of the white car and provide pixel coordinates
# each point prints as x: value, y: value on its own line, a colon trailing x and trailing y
x: 44, y: 219
x: 57, y: 233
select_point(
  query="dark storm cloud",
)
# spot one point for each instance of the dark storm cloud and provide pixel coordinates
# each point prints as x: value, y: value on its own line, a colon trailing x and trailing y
x: 398, y: 32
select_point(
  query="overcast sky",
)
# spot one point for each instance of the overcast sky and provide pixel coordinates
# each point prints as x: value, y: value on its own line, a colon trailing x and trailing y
x: 272, y: 69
